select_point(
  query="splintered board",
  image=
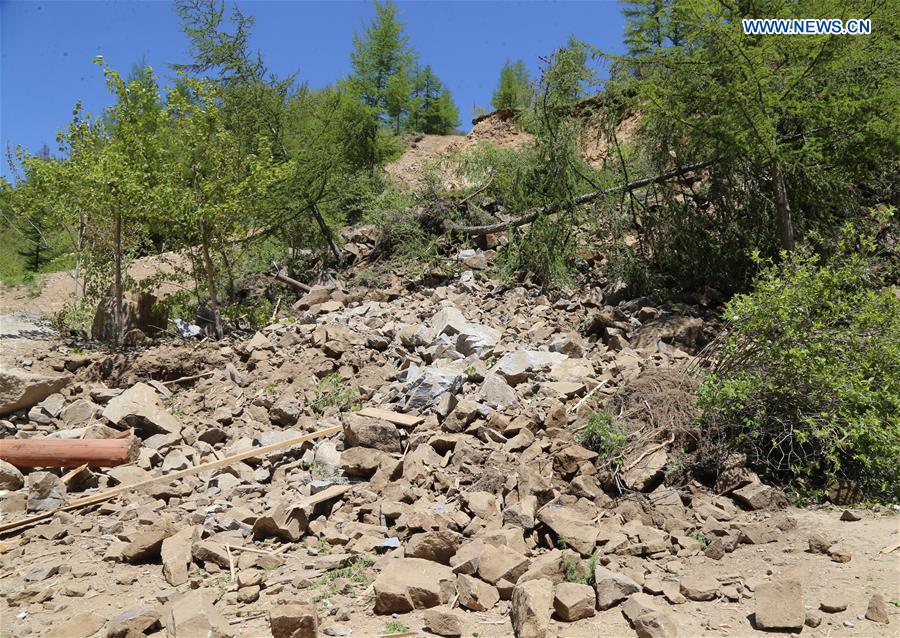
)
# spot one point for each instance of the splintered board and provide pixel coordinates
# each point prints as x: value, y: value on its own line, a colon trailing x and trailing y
x: 406, y: 420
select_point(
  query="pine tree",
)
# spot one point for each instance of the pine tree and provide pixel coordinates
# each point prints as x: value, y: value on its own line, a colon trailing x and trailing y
x: 514, y: 88
x: 397, y: 97
x: 378, y: 56
x: 435, y: 113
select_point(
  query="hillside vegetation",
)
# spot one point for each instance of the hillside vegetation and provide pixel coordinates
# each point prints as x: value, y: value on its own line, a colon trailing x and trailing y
x: 683, y: 167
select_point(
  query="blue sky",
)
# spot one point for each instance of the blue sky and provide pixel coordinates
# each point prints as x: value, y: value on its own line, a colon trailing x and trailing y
x: 46, y: 48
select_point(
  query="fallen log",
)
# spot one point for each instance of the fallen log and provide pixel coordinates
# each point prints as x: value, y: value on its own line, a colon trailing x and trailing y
x: 293, y: 283
x: 44, y: 452
x: 549, y: 209
x: 105, y: 495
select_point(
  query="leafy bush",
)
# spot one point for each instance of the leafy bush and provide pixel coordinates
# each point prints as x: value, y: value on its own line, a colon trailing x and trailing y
x: 74, y: 315
x: 330, y: 392
x: 807, y: 383
x: 603, y: 435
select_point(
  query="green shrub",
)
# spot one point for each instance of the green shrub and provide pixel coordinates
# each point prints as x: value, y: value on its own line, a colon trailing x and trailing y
x: 807, y: 382
x: 603, y: 435
x: 74, y: 315
x: 330, y: 392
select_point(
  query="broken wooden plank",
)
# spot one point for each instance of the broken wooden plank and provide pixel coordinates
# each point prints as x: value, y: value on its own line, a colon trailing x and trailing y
x: 168, y: 478
x: 407, y: 420
x: 46, y: 452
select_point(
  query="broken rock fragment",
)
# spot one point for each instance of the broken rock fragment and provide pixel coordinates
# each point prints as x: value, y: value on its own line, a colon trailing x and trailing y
x: 193, y: 615
x: 612, y: 587
x: 139, y: 408
x: 573, y: 601
x: 475, y: 594
x: 405, y: 584
x: 779, y: 606
x: 176, y: 555
x: 46, y: 492
x: 655, y: 624
x: 10, y: 477
x: 443, y: 622
x: 372, y: 433
x: 428, y: 384
x: 20, y: 389
x: 530, y: 610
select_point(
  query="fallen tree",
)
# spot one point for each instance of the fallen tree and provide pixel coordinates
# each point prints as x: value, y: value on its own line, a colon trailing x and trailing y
x: 577, y: 201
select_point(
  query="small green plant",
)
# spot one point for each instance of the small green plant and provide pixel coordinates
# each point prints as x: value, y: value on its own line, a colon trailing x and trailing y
x: 330, y: 392
x: 562, y: 543
x: 895, y: 602
x: 74, y: 316
x: 271, y: 388
x: 700, y: 537
x: 471, y: 373
x: 676, y: 465
x: 220, y: 585
x: 603, y: 435
x: 576, y: 571
x: 367, y: 278
x: 395, y: 627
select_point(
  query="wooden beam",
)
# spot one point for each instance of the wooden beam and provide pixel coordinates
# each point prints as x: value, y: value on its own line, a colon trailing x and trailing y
x: 408, y: 420
x: 45, y: 452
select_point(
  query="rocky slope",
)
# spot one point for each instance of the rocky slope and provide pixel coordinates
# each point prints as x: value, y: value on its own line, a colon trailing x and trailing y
x: 463, y: 505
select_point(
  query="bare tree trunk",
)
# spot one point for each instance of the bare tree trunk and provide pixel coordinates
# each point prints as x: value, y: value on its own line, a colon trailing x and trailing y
x: 119, y: 292
x: 210, y: 279
x: 326, y: 231
x: 782, y: 208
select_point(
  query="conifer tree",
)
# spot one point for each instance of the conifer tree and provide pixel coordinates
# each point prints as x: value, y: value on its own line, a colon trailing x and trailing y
x: 514, y: 87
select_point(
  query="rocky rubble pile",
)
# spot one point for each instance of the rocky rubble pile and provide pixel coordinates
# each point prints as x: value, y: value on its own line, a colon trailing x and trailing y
x: 468, y: 496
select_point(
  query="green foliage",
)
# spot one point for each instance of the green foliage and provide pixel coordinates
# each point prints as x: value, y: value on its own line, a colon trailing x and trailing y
x: 576, y: 571
x: 700, y: 537
x: 75, y: 315
x: 603, y: 435
x: 814, y: 112
x: 807, y: 383
x: 395, y: 627
x: 332, y: 392
x: 514, y: 87
x: 249, y: 314
x: 367, y: 278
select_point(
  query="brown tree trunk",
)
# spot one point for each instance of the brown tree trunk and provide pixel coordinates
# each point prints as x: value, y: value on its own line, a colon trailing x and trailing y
x: 119, y: 292
x: 782, y: 208
x: 210, y: 279
x: 326, y: 231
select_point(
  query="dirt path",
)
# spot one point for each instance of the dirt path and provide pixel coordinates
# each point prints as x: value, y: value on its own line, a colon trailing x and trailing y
x: 54, y: 290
